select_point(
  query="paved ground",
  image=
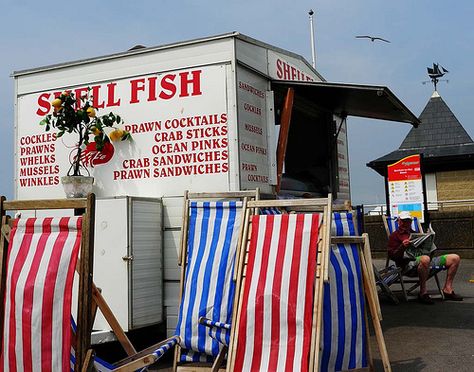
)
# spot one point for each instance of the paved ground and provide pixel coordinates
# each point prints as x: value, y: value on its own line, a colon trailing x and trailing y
x: 431, y: 338
x: 420, y: 337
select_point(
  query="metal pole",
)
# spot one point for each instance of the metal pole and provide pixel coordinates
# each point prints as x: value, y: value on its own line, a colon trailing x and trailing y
x: 311, y: 26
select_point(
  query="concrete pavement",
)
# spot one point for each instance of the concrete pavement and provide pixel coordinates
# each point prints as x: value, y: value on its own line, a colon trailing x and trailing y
x: 431, y: 338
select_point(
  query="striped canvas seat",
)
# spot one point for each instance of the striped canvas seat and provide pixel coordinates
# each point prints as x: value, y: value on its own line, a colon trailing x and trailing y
x: 344, y: 327
x: 208, y: 289
x: 41, y: 261
x: 392, y: 224
x: 344, y: 224
x: 275, y: 322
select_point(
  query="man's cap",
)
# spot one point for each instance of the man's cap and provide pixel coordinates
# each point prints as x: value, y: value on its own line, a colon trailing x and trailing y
x: 405, y: 215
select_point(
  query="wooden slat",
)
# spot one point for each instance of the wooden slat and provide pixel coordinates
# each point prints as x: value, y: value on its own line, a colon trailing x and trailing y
x: 112, y: 320
x: 184, y: 228
x: 347, y: 240
x: 375, y: 321
x: 46, y: 204
x: 84, y: 323
x: 370, y: 269
x: 327, y: 237
x: 3, y: 272
x: 370, y: 358
x: 223, y: 195
x: 238, y: 295
x: 88, y: 365
x: 319, y: 202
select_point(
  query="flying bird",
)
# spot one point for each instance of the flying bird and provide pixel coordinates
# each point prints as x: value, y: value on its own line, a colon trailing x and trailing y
x: 372, y: 38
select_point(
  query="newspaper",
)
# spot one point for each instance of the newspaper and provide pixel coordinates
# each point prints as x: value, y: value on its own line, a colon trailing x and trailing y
x: 421, y: 244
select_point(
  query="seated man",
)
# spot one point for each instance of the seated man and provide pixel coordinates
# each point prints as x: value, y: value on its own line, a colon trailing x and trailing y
x: 399, y: 241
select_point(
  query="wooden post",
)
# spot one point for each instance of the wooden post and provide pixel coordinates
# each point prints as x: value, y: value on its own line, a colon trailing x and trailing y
x: 370, y: 269
x: 283, y: 136
x: 3, y: 274
x: 184, y: 228
x: 375, y: 320
x: 84, y: 324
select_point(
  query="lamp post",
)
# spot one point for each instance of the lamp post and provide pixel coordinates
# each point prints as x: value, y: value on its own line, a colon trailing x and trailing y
x: 311, y: 26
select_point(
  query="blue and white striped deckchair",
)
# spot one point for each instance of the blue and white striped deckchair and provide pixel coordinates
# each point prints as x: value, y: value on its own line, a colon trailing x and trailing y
x: 344, y: 224
x: 344, y: 340
x: 391, y: 224
x: 208, y: 289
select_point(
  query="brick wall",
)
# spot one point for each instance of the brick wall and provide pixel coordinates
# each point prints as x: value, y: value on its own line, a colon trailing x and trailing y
x: 455, y: 185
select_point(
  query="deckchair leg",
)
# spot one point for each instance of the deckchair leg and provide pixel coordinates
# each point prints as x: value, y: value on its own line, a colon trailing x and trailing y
x: 439, y: 286
x: 88, y: 366
x: 402, y: 284
x: 376, y: 322
x: 220, y: 358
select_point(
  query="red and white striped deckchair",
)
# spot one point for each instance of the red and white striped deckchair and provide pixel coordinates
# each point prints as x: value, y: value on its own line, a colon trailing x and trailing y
x: 279, y: 312
x: 38, y: 265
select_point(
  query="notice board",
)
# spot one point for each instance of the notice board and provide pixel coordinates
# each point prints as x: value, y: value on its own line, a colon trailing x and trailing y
x: 405, y: 186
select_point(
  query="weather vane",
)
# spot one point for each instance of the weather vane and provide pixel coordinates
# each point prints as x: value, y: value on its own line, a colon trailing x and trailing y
x: 435, y: 74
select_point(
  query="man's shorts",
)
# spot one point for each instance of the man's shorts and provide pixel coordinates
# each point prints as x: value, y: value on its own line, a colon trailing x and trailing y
x: 436, y: 263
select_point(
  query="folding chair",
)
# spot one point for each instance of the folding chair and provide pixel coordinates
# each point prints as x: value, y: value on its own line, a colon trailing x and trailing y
x: 211, y: 233
x: 38, y: 263
x: 345, y: 337
x: 391, y: 224
x: 51, y: 245
x: 280, y: 274
x: 351, y: 287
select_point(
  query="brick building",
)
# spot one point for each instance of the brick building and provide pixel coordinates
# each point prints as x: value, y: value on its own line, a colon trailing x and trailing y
x: 448, y: 155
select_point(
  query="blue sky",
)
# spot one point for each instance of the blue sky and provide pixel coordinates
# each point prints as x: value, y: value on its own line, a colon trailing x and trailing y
x: 37, y: 33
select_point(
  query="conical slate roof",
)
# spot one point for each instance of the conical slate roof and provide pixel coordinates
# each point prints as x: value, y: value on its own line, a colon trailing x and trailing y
x: 440, y: 138
x: 439, y: 127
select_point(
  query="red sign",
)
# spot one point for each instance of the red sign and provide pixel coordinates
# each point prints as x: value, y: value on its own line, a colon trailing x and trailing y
x: 405, y: 169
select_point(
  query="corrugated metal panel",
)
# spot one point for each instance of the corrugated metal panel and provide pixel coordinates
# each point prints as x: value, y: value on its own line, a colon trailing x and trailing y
x: 146, y: 273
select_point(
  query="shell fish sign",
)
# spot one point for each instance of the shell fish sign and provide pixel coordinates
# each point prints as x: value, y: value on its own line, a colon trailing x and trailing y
x: 405, y: 186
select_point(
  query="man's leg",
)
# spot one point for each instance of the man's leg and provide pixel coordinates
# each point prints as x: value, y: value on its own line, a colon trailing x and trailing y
x: 452, y: 263
x: 423, y: 272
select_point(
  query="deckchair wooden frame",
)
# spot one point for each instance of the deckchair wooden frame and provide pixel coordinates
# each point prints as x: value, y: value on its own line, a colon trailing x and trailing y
x: 135, y: 360
x: 182, y: 261
x: 323, y: 205
x: 370, y: 291
x: 84, y: 323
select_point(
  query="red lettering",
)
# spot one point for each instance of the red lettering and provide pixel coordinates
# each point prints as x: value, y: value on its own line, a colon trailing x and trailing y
x: 152, y: 89
x: 195, y: 80
x: 286, y: 71
x: 111, y: 95
x: 43, y: 102
x: 167, y: 83
x: 279, y: 71
x: 79, y: 93
x: 95, y: 97
x: 137, y: 86
x: 293, y: 73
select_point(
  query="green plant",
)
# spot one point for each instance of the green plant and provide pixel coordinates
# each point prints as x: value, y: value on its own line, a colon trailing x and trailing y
x: 78, y: 116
